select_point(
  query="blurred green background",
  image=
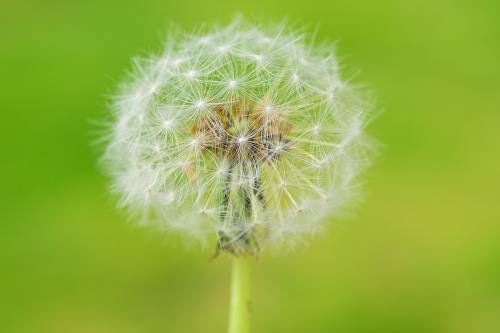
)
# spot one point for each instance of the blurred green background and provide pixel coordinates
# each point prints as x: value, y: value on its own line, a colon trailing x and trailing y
x: 422, y: 254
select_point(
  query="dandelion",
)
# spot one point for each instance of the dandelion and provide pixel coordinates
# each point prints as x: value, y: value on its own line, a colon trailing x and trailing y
x: 245, y: 134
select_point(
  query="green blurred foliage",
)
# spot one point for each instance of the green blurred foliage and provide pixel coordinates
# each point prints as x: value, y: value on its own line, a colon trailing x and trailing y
x: 422, y: 254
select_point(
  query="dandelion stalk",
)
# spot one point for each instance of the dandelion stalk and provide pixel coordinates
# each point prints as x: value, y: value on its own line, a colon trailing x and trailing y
x: 240, y: 308
x: 245, y: 133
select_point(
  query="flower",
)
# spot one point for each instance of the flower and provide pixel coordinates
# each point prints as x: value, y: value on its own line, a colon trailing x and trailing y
x: 245, y: 133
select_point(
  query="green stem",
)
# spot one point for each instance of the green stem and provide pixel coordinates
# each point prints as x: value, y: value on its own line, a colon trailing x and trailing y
x: 240, y: 304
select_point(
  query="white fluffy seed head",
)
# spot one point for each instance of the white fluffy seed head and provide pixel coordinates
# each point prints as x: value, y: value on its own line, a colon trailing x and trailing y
x: 246, y: 133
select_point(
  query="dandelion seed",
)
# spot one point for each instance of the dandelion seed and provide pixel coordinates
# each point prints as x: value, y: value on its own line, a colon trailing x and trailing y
x: 191, y: 74
x: 167, y: 124
x: 195, y: 142
x: 258, y: 58
x: 200, y: 104
x: 223, y: 49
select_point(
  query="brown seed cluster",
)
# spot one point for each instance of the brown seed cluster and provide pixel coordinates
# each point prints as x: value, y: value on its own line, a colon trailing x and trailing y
x: 241, y: 132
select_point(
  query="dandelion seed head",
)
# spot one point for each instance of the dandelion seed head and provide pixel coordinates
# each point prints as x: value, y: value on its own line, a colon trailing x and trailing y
x: 246, y: 134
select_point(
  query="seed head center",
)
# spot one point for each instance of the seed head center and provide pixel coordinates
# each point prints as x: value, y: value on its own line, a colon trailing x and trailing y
x: 242, y: 131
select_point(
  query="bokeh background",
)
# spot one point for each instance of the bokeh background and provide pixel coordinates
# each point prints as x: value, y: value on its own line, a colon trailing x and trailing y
x: 422, y: 254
